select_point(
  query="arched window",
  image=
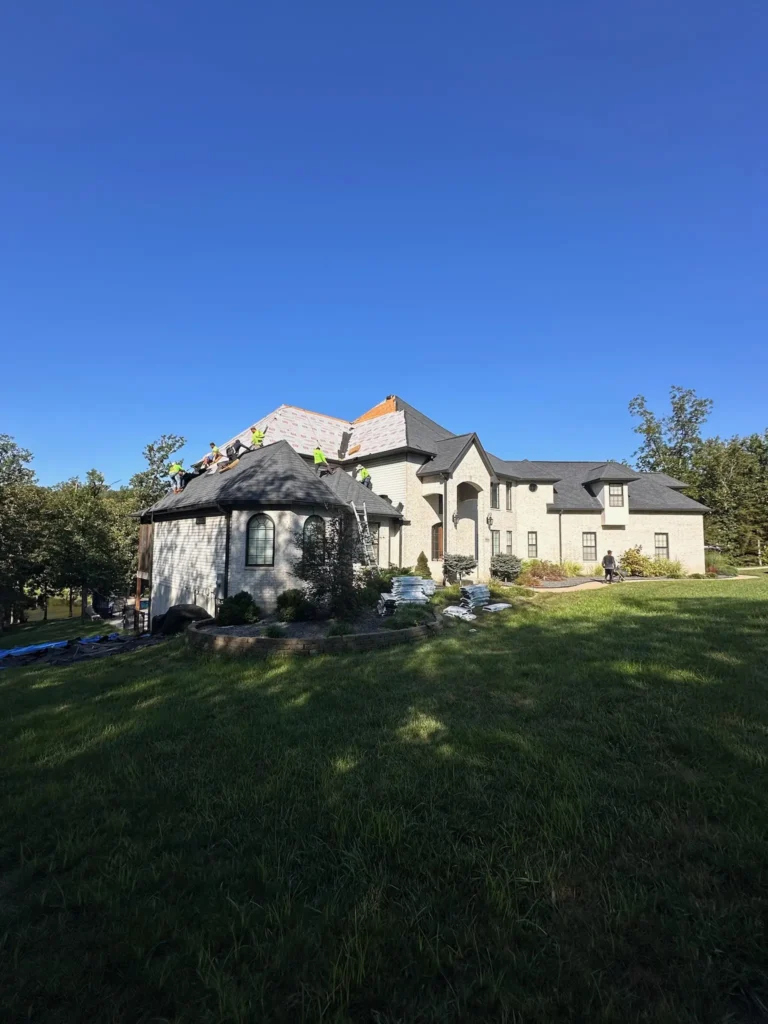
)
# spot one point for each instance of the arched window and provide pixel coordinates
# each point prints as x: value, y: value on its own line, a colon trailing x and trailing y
x: 314, y: 539
x: 260, y: 541
x: 437, y: 542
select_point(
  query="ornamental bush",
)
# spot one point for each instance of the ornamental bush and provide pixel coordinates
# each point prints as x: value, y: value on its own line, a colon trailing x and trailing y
x: 457, y: 566
x: 238, y: 610
x: 506, y: 567
x: 422, y: 567
x: 635, y: 563
x: 294, y: 606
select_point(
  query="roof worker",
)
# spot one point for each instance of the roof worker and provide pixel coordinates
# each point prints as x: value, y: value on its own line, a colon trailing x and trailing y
x: 321, y: 463
x: 213, y: 455
x: 257, y: 436
x: 363, y: 476
x: 176, y: 473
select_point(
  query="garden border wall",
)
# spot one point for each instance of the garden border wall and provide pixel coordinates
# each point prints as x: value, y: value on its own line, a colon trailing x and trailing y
x: 199, y: 638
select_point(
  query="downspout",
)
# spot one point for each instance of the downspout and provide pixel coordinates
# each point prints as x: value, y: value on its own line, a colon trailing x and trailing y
x: 227, y: 534
x: 445, y: 515
x: 149, y: 581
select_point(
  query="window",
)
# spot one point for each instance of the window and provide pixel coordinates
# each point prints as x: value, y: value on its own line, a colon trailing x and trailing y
x: 616, y: 495
x: 533, y: 488
x: 495, y: 542
x: 495, y: 496
x: 199, y: 520
x: 533, y: 544
x: 314, y: 539
x: 509, y: 542
x: 437, y: 542
x: 661, y: 545
x: 439, y: 504
x: 589, y: 547
x: 509, y: 497
x: 260, y: 541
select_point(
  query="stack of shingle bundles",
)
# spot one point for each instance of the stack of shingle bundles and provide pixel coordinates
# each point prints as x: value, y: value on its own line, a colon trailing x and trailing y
x: 409, y: 590
x: 428, y: 586
x: 475, y: 596
x: 387, y: 604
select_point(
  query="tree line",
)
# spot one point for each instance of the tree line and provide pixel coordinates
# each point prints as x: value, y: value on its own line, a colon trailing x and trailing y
x: 77, y: 536
x: 728, y: 474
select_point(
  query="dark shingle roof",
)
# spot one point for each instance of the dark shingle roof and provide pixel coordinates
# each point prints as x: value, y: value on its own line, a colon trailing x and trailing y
x: 274, y: 475
x: 447, y: 452
x: 609, y: 472
x: 421, y: 432
x: 647, y: 493
x: 523, y: 470
x: 347, y: 489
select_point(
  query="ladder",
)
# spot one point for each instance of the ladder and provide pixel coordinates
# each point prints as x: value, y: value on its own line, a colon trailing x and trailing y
x: 365, y: 537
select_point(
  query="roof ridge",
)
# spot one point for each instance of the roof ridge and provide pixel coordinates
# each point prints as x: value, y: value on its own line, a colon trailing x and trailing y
x: 313, y: 412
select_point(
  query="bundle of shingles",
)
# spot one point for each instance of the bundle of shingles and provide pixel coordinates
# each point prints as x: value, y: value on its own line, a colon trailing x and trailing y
x: 475, y: 596
x: 406, y: 590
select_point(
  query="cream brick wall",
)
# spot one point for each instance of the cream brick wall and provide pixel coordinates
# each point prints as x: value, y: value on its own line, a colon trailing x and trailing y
x: 421, y: 515
x: 187, y: 563
x: 686, y: 536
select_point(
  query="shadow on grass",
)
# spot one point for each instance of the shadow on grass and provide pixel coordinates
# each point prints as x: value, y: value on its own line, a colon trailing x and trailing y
x: 559, y: 816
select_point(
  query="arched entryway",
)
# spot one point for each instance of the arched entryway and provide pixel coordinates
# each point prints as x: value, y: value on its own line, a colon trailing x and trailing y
x: 466, y: 537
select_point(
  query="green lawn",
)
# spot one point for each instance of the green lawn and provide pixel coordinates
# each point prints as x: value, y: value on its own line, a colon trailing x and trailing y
x: 57, y: 629
x: 561, y: 816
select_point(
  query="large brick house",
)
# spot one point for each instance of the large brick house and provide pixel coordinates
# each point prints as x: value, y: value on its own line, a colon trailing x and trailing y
x: 433, y: 491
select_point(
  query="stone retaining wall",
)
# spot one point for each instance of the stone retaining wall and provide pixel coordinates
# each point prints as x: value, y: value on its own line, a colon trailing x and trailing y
x: 199, y: 637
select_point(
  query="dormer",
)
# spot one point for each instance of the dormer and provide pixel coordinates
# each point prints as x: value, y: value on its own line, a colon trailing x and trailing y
x: 609, y: 483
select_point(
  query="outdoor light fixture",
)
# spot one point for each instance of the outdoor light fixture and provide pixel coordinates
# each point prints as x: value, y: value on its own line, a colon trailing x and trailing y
x: 489, y: 519
x: 455, y: 517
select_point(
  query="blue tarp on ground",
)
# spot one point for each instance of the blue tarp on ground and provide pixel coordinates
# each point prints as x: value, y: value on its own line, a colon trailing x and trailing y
x: 16, y: 652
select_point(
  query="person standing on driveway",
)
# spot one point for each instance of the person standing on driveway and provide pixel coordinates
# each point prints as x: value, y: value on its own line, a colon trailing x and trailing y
x: 609, y: 565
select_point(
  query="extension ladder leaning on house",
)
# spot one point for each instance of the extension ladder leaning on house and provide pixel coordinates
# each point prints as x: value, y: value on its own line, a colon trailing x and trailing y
x: 364, y: 530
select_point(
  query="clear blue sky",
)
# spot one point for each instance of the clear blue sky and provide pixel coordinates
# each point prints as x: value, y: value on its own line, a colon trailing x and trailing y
x: 209, y: 209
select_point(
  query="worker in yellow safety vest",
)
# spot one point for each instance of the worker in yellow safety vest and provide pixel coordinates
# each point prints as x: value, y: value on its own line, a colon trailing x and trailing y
x: 257, y: 437
x: 321, y: 463
x: 363, y: 476
x: 176, y: 473
x: 213, y: 455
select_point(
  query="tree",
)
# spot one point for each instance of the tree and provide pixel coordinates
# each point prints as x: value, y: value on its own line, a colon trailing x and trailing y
x: 670, y: 442
x: 329, y: 572
x: 13, y: 463
x: 150, y: 484
x: 87, y: 549
x: 422, y: 567
x: 457, y: 566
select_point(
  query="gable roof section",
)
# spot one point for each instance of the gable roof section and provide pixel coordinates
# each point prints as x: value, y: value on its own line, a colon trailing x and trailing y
x: 384, y: 433
x: 648, y: 494
x: 449, y: 454
x: 300, y: 428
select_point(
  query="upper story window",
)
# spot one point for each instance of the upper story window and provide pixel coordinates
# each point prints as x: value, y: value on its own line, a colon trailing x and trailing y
x: 509, y: 497
x: 314, y: 539
x: 616, y: 495
x: 260, y: 541
x: 439, y: 504
x: 495, y: 496
x: 533, y: 488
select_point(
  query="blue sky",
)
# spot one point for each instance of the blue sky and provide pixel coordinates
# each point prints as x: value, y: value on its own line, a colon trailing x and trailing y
x: 209, y: 209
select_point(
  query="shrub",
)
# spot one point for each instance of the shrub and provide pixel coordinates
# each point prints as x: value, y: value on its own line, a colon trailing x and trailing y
x: 667, y: 567
x: 573, y: 568
x: 543, y: 570
x: 295, y: 606
x: 506, y: 567
x: 720, y: 564
x: 527, y: 579
x: 635, y: 563
x: 697, y: 576
x: 274, y: 632
x: 339, y: 629
x: 238, y: 610
x: 422, y: 567
x: 456, y: 567
x: 406, y: 616
x: 331, y: 582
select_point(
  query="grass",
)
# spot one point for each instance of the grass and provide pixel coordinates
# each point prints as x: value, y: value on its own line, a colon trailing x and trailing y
x: 58, y: 629
x: 560, y: 816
